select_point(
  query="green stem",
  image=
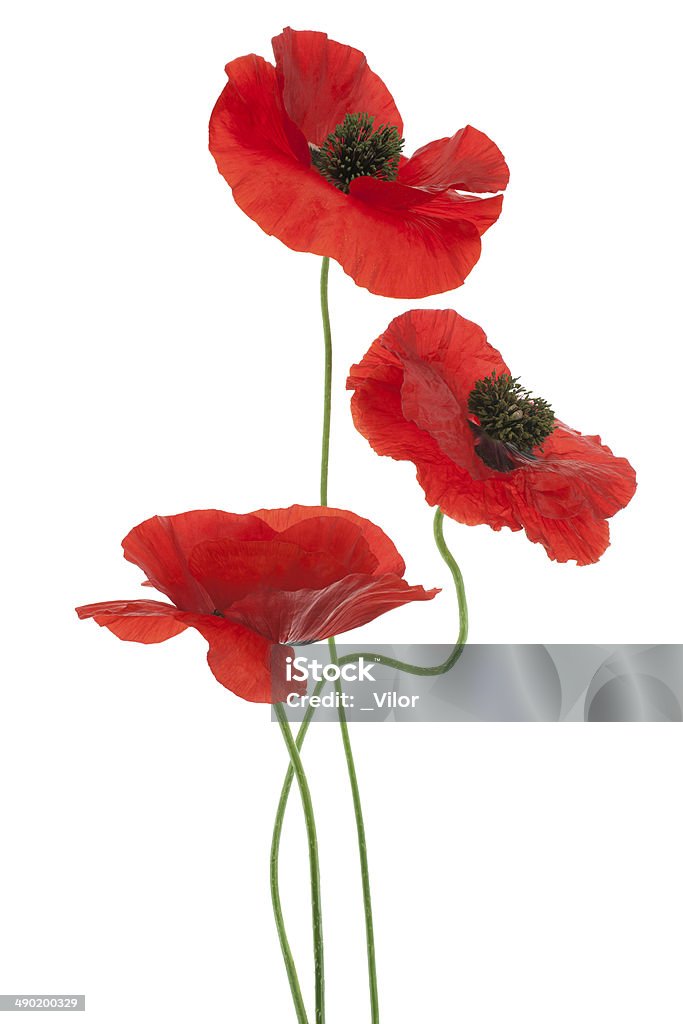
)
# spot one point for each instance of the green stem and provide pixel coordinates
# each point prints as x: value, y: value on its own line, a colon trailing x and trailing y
x: 327, y: 400
x: 290, y: 966
x: 346, y: 741
x: 297, y: 767
x: 445, y: 666
x: 362, y: 846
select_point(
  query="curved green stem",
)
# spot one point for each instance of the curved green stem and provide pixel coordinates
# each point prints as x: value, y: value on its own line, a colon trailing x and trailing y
x: 436, y: 670
x: 327, y: 400
x: 297, y: 767
x: 287, y: 956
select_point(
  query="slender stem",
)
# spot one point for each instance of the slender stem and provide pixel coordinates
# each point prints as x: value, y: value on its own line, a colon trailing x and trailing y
x: 346, y: 741
x: 327, y: 401
x: 290, y: 966
x: 318, y: 953
x: 325, y: 463
x: 445, y: 666
x: 362, y: 846
x: 274, y: 869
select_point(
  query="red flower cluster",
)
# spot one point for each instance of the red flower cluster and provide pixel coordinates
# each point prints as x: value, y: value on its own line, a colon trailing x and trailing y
x: 311, y: 148
x: 252, y: 583
x: 433, y: 391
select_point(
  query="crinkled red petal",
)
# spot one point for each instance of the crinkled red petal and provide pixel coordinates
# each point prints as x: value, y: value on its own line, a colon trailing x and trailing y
x: 580, y: 538
x: 145, y: 622
x: 469, y: 160
x: 161, y: 547
x: 456, y: 347
x: 244, y: 662
x: 228, y: 569
x: 323, y: 80
x: 577, y: 472
x: 397, y: 197
x: 338, y: 535
x: 306, y: 615
x: 313, y: 521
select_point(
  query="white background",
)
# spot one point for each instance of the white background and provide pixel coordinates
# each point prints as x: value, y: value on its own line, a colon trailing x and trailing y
x: 162, y: 354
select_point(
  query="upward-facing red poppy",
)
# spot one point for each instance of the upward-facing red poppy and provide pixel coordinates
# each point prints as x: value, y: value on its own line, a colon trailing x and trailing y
x: 311, y: 148
x: 432, y: 390
x: 252, y: 583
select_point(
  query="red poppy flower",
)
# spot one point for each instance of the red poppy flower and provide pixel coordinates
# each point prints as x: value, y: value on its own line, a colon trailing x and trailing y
x: 311, y: 148
x: 433, y: 391
x: 253, y: 583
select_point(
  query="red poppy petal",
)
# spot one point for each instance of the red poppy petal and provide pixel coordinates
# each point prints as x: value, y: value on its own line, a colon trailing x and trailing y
x: 434, y: 237
x: 498, y: 503
x: 229, y: 569
x: 469, y: 160
x: 378, y: 415
x: 161, y: 547
x: 307, y: 615
x: 146, y: 622
x: 283, y: 519
x: 323, y: 80
x: 579, y: 469
x: 324, y: 535
x: 250, y: 110
x: 443, y: 204
x: 456, y: 347
x: 581, y: 538
x: 244, y: 662
x: 404, y: 252
x: 427, y: 400
x: 474, y: 502
x: 351, y: 603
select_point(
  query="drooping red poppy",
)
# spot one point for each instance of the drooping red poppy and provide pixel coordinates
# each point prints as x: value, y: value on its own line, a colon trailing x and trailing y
x: 433, y: 391
x: 251, y: 584
x: 311, y: 148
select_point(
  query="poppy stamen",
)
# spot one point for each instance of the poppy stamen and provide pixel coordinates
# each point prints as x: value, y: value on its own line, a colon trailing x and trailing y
x: 509, y: 415
x: 355, y: 149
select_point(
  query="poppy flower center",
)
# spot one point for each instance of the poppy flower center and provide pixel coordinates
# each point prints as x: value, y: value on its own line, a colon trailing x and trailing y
x: 511, y: 422
x: 356, y: 149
